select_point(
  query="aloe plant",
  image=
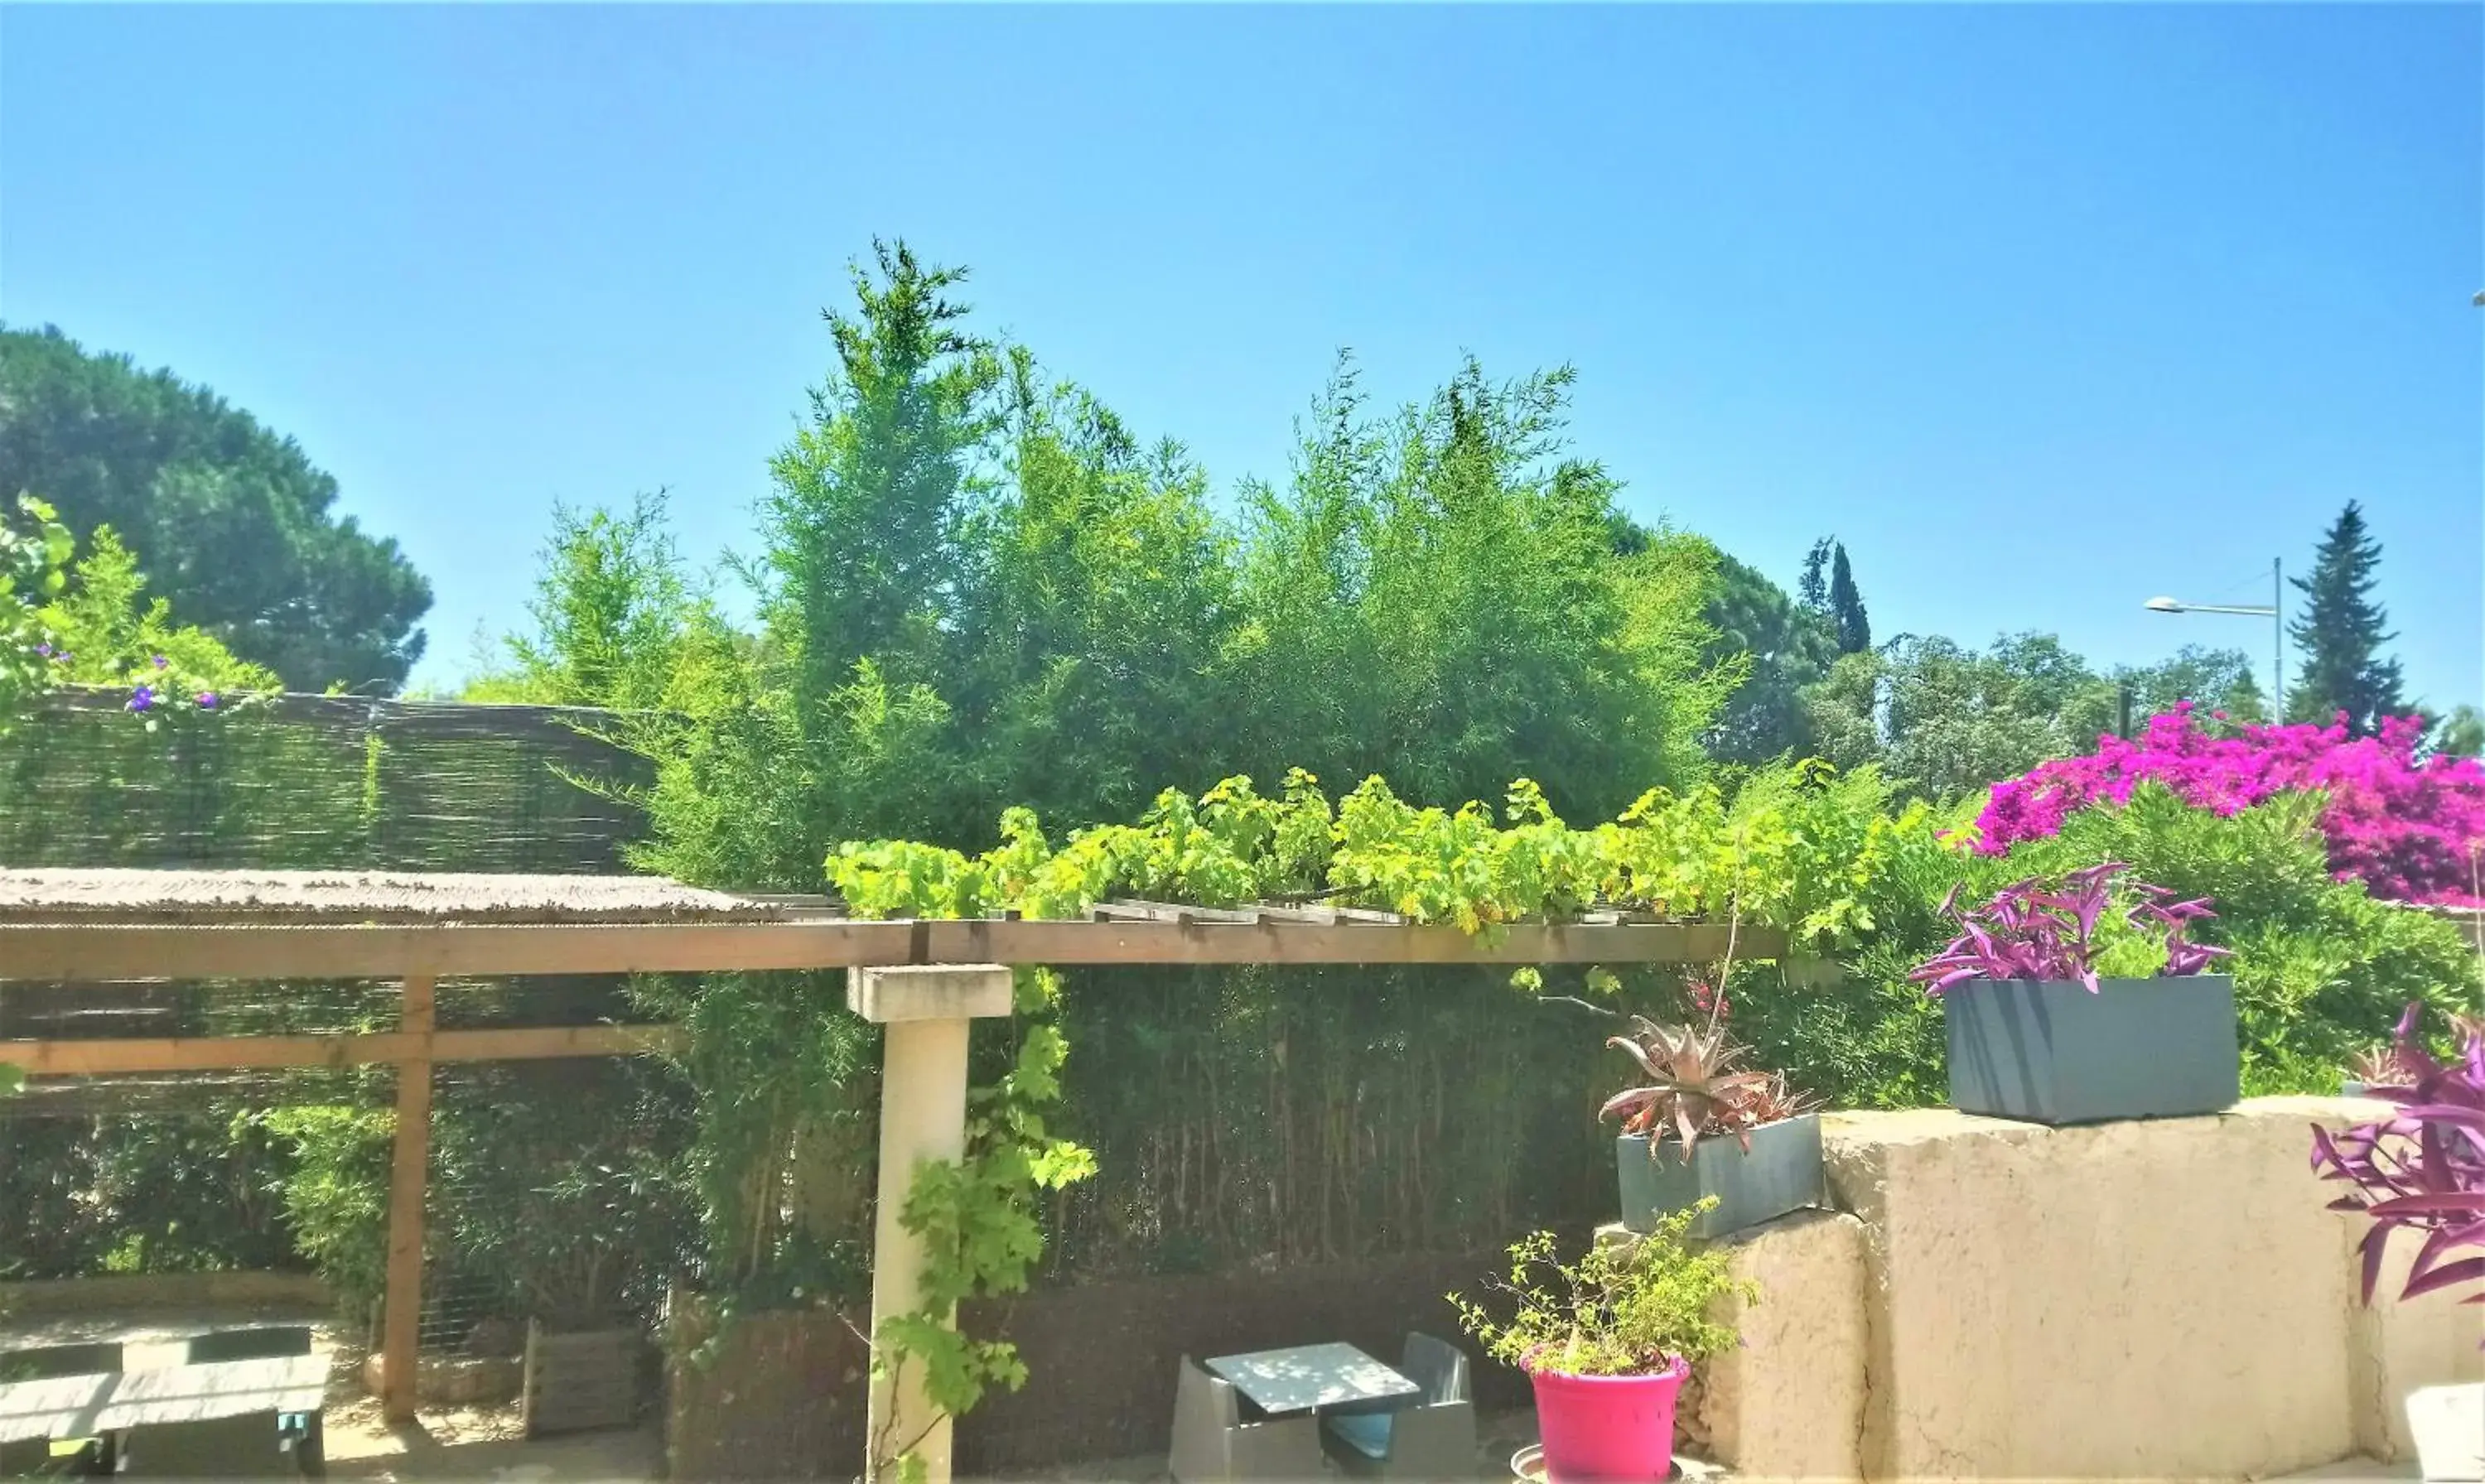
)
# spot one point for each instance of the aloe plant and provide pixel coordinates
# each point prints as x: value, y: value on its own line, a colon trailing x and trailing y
x: 1695, y: 1086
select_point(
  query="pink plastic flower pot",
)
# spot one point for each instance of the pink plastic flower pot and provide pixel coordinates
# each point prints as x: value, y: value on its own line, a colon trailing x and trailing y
x: 1608, y: 1429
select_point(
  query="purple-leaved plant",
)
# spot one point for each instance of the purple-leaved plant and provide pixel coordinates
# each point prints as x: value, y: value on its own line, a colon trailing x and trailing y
x: 2422, y: 1168
x: 2031, y: 930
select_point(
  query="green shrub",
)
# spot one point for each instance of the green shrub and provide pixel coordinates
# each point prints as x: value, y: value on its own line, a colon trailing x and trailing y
x: 1624, y: 1309
x: 2321, y: 970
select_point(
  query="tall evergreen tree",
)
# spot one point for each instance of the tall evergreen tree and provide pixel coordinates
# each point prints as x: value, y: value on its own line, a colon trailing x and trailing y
x: 2341, y: 634
x: 1812, y: 590
x: 1846, y: 607
x: 1789, y: 646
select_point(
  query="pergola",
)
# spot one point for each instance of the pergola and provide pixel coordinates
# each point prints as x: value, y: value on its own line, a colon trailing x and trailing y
x: 923, y: 981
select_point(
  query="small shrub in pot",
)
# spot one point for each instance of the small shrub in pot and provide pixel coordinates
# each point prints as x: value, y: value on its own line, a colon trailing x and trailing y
x: 1607, y: 1342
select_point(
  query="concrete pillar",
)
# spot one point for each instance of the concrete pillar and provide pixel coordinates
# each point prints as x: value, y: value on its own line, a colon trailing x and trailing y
x: 926, y: 1011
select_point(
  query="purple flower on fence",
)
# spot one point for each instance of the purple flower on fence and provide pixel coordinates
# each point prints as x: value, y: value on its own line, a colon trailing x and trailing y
x: 142, y: 698
x: 206, y: 700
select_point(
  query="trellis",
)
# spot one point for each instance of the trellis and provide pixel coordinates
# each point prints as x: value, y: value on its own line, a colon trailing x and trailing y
x: 412, y: 929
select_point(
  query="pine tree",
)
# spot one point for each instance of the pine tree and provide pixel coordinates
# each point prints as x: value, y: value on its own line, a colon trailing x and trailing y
x: 1846, y: 607
x: 2341, y: 634
x: 1812, y: 589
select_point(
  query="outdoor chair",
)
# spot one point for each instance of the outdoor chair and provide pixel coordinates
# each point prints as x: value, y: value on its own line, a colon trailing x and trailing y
x: 51, y: 1362
x: 262, y: 1343
x: 1211, y: 1441
x: 1434, y: 1440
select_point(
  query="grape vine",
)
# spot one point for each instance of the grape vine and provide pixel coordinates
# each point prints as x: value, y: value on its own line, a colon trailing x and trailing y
x: 1805, y: 849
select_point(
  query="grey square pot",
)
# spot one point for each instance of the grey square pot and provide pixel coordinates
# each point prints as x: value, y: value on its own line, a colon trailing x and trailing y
x: 2050, y: 1052
x: 1781, y: 1173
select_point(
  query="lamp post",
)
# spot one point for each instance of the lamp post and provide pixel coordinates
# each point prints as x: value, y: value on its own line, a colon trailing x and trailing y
x: 2271, y: 611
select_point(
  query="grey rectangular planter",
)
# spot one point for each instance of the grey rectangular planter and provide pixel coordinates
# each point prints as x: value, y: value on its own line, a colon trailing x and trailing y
x: 1781, y: 1173
x: 2050, y: 1052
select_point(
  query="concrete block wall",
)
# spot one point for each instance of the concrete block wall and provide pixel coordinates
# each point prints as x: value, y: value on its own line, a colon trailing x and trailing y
x: 2165, y: 1299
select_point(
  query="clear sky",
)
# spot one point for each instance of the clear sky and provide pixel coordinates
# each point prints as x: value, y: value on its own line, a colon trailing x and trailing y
x: 2043, y: 310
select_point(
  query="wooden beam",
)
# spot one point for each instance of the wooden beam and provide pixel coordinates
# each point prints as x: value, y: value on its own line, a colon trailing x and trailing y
x: 1277, y: 941
x: 230, y: 1053
x: 99, y: 952
x: 409, y: 1172
x: 81, y: 951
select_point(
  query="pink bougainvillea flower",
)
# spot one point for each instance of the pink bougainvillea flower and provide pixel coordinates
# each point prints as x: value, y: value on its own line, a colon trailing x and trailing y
x: 2405, y: 829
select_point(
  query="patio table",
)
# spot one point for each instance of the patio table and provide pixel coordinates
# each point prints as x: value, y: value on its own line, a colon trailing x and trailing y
x: 216, y: 1389
x: 62, y: 1407
x: 1331, y: 1378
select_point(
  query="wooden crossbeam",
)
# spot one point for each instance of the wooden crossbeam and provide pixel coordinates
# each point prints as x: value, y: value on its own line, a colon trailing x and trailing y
x: 107, y: 952
x: 230, y: 1053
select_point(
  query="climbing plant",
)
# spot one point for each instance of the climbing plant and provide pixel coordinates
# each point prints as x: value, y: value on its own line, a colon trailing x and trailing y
x: 1805, y: 849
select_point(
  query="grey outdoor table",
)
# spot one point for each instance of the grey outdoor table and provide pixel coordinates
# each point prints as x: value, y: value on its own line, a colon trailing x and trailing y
x: 1335, y: 1378
x: 215, y: 1389
x: 63, y: 1407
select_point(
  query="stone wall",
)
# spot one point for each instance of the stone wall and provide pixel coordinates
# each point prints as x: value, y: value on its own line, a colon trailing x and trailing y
x: 2165, y: 1299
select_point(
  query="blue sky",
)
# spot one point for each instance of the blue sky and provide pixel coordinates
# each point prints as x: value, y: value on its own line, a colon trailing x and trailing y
x: 2043, y: 310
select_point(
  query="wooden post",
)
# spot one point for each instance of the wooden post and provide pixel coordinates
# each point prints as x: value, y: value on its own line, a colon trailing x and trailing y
x: 923, y: 1117
x: 401, y: 1327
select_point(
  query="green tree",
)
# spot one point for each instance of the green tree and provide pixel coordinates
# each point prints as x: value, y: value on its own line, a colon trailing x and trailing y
x: 34, y: 559
x: 1094, y: 625
x: 238, y: 526
x: 2341, y: 634
x: 1438, y: 594
x: 1812, y: 590
x: 1846, y: 607
x: 1945, y: 722
x: 106, y: 629
x: 860, y: 531
x: 1788, y: 647
x: 2460, y: 734
x: 610, y: 609
x: 2212, y: 679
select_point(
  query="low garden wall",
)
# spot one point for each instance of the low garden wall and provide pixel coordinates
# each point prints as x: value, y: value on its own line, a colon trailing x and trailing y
x: 47, y: 1297
x: 2165, y: 1299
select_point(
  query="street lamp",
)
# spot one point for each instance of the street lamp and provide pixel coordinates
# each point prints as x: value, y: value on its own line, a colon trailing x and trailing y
x: 2276, y: 630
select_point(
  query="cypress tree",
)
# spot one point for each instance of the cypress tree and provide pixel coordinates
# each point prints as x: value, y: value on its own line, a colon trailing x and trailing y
x: 2341, y: 634
x: 1846, y: 607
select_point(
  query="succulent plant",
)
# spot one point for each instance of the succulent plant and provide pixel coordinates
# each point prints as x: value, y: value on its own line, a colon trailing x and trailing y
x: 1696, y: 1087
